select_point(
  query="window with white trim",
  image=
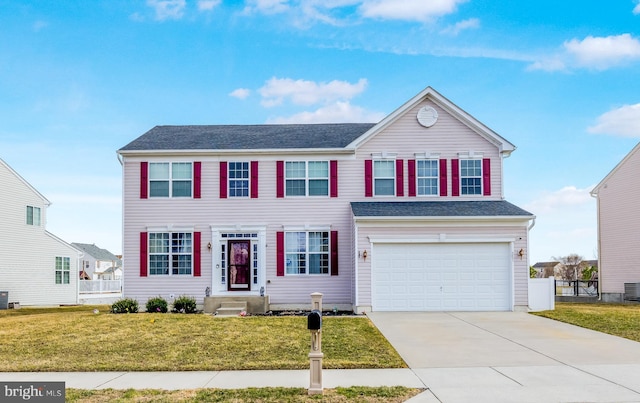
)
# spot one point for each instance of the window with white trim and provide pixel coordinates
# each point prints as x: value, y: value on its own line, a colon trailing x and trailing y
x: 63, y: 270
x: 238, y: 176
x: 170, y: 179
x: 170, y: 253
x: 427, y: 176
x: 470, y: 177
x: 307, y: 252
x: 307, y: 178
x: 33, y: 216
x: 384, y: 177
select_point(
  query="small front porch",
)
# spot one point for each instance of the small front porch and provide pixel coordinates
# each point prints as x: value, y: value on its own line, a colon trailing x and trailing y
x: 254, y: 304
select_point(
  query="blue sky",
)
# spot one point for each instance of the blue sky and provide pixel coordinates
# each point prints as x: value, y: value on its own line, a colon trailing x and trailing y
x: 80, y: 79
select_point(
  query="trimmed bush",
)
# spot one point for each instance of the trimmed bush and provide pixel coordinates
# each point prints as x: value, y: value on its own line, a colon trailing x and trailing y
x: 184, y: 304
x: 125, y: 305
x: 157, y: 304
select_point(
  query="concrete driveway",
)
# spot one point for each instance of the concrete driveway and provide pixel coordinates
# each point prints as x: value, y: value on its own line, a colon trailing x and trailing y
x: 511, y: 357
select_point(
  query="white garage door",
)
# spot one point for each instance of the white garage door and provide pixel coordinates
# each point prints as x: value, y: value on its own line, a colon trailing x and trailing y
x: 441, y: 277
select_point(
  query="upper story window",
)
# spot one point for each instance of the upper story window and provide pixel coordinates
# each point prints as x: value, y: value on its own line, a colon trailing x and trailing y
x: 33, y: 216
x: 307, y: 178
x: 238, y: 176
x: 170, y: 179
x: 63, y: 270
x: 307, y: 252
x: 427, y: 176
x: 384, y: 177
x: 470, y: 176
x: 170, y: 253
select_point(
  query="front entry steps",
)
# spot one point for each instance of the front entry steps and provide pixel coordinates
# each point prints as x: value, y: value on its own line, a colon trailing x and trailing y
x: 233, y: 308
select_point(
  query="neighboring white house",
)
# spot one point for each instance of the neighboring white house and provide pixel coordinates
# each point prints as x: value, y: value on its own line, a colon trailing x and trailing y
x: 98, y: 263
x: 36, y: 267
x: 408, y: 214
x: 619, y: 228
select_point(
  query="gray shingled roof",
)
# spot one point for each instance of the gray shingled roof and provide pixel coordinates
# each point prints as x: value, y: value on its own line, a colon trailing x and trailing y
x: 249, y: 137
x: 437, y: 209
x: 96, y: 252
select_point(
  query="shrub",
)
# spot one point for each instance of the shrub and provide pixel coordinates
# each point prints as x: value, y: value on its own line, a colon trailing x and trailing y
x: 184, y: 304
x: 157, y: 304
x: 125, y: 305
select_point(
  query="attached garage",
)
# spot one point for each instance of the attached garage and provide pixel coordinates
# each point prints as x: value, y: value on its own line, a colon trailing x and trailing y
x: 442, y: 277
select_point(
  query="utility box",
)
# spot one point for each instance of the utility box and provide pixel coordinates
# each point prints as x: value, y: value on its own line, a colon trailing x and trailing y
x: 4, y: 299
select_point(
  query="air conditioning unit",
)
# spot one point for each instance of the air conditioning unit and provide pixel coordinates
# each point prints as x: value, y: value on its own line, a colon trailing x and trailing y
x: 632, y: 291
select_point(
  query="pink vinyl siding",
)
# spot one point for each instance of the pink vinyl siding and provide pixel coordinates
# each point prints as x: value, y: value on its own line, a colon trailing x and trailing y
x: 619, y: 225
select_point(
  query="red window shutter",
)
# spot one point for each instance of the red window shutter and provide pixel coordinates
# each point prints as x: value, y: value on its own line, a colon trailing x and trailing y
x: 333, y: 168
x: 254, y: 179
x: 399, y: 178
x: 279, y: 253
x: 143, y: 254
x: 443, y: 177
x: 368, y: 178
x: 334, y: 253
x: 197, y: 260
x: 411, y: 166
x: 455, y: 177
x: 486, y: 177
x: 223, y: 179
x: 279, y: 178
x: 144, y: 180
x: 197, y: 179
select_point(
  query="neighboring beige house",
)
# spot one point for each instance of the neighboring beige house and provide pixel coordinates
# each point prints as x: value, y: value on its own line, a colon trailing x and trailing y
x: 36, y: 267
x: 619, y: 227
x: 98, y: 263
x: 408, y: 214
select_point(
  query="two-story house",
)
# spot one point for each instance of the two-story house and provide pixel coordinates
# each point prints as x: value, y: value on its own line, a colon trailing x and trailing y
x: 36, y: 267
x: 404, y: 215
x: 98, y: 263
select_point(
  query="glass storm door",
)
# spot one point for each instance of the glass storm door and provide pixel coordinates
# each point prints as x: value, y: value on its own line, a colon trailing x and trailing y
x: 239, y: 265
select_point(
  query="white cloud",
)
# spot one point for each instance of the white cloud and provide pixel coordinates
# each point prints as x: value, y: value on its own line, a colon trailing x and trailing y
x: 168, y: 9
x: 636, y: 9
x: 266, y: 6
x: 304, y: 92
x: 408, y: 10
x: 471, y: 23
x: 623, y: 121
x: 39, y: 25
x: 208, y: 5
x: 240, y: 93
x: 566, y: 222
x: 338, y: 112
x: 598, y: 53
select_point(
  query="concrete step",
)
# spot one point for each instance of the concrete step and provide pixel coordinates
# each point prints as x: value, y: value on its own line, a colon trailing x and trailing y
x: 233, y: 308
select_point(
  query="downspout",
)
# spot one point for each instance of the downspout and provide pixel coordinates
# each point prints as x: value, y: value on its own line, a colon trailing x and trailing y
x: 123, y: 267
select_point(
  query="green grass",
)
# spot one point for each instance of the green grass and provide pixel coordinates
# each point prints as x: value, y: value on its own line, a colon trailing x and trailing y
x: 266, y: 395
x: 73, y: 339
x: 616, y: 319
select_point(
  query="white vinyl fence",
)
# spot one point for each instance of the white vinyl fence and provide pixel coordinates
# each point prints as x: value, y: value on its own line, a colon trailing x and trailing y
x: 100, y: 286
x: 542, y: 294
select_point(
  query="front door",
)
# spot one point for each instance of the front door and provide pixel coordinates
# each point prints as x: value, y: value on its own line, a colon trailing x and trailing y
x: 239, y: 262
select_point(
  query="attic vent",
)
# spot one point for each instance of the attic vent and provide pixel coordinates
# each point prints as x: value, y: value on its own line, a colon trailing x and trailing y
x: 427, y: 116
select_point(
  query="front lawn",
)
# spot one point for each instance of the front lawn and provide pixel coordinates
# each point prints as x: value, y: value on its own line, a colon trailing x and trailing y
x: 76, y: 339
x: 616, y: 319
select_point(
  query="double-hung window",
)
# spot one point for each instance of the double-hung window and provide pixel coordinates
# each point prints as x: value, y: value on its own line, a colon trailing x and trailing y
x: 170, y: 253
x: 238, y: 175
x: 384, y: 177
x: 170, y: 179
x: 307, y: 252
x: 427, y: 177
x: 63, y: 270
x: 307, y: 178
x: 33, y: 216
x: 470, y: 176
